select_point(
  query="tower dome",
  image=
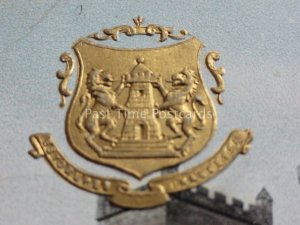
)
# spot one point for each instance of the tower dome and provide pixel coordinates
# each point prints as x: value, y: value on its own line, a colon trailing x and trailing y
x: 141, y: 73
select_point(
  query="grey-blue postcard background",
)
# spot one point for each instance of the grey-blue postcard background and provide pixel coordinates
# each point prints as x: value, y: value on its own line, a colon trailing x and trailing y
x: 259, y: 44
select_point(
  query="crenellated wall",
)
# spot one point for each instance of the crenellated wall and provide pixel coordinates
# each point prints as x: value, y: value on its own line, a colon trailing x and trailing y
x: 198, y: 198
x: 193, y: 207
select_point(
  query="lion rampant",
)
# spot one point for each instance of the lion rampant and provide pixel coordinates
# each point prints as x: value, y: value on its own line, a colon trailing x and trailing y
x: 181, y: 100
x: 101, y: 93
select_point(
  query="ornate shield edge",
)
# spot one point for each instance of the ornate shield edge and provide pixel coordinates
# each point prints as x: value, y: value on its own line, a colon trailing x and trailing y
x: 80, y: 77
x: 238, y: 142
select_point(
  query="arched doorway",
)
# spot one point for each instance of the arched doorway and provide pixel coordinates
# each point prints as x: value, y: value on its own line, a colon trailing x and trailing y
x: 140, y: 131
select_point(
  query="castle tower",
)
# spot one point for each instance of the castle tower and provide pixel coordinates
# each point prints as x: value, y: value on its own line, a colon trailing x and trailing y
x: 141, y: 123
x: 141, y: 135
x: 265, y: 202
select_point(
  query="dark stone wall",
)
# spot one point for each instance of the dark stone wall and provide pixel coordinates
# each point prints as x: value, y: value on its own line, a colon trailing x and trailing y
x: 192, y: 207
x: 181, y: 213
x: 155, y: 216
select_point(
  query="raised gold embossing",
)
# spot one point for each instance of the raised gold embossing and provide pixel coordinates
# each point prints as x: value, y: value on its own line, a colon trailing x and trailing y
x: 217, y: 73
x: 140, y: 111
x: 65, y: 76
x: 138, y: 29
x: 238, y: 142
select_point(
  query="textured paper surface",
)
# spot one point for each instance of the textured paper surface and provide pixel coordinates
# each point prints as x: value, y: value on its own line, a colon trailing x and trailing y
x: 259, y: 46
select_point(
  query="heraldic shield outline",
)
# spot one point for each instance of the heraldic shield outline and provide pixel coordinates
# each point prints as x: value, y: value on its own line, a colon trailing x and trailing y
x: 147, y: 115
x: 139, y: 111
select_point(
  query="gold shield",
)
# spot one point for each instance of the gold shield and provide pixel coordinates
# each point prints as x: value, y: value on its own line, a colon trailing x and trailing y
x: 140, y: 110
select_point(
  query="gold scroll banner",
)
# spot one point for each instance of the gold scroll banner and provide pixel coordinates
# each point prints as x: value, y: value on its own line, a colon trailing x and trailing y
x: 135, y: 199
x: 158, y: 188
x: 119, y: 189
x: 238, y: 142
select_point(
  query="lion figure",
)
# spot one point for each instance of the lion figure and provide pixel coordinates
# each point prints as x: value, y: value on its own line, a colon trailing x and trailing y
x: 180, y: 102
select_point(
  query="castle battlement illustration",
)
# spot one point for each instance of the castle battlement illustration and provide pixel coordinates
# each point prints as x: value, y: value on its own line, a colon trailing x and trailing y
x: 193, y: 207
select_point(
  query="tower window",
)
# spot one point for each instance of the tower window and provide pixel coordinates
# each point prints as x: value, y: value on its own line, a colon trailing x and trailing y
x: 141, y: 93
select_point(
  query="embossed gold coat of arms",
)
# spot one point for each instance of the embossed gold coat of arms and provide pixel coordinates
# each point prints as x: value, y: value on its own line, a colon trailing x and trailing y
x: 140, y: 111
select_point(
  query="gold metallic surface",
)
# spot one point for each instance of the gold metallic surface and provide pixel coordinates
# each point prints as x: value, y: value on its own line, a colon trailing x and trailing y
x: 152, y: 106
x: 45, y: 147
x: 238, y: 142
x: 139, y: 111
x: 138, y: 29
x: 64, y: 76
x: 217, y: 73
